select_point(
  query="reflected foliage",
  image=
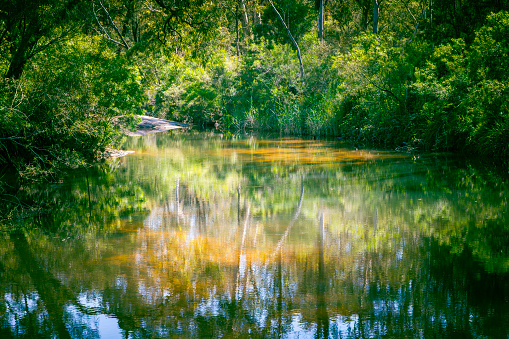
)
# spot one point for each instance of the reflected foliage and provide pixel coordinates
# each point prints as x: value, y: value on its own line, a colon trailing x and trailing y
x: 202, y: 235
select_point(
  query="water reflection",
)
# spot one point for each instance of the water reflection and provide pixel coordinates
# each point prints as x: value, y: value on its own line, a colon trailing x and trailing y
x: 198, y: 236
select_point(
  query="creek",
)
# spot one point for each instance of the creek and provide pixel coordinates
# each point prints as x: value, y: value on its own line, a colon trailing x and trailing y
x: 198, y: 235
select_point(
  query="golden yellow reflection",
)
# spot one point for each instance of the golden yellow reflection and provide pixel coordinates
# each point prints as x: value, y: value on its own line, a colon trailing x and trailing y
x: 165, y: 249
x: 300, y: 151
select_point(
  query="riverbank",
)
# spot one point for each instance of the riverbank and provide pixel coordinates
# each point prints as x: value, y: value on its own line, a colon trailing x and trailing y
x: 147, y: 125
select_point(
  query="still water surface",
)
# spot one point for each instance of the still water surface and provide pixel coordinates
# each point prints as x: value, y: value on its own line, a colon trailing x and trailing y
x: 200, y: 236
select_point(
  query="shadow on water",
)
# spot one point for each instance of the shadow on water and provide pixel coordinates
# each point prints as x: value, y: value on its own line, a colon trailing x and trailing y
x: 200, y: 236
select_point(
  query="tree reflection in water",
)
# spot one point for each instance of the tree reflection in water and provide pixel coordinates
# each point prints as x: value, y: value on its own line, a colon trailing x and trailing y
x: 198, y: 236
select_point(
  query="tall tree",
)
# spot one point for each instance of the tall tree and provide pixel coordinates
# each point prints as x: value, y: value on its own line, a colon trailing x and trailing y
x: 376, y: 12
x: 246, y: 27
x: 320, y: 6
x: 27, y: 27
x: 365, y: 6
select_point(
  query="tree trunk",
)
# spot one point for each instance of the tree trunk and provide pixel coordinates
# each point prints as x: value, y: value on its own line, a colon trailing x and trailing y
x: 246, y: 28
x: 20, y: 58
x: 376, y: 12
x: 237, y: 29
x: 320, y: 21
x: 365, y: 5
x: 29, y: 26
x: 16, y: 68
x: 430, y: 14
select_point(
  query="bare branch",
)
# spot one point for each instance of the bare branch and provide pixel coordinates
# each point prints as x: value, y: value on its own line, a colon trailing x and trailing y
x: 150, y: 8
x: 107, y: 37
x: 99, y: 23
x: 124, y: 43
x: 104, y: 33
x: 291, y: 38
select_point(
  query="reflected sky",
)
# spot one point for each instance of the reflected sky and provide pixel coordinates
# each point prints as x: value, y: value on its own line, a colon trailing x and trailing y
x: 196, y: 235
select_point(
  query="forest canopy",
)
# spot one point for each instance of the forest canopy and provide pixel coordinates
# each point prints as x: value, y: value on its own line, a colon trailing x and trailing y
x: 414, y: 75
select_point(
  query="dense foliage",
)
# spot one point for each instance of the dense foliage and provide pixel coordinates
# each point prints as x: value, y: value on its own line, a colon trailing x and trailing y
x: 433, y: 77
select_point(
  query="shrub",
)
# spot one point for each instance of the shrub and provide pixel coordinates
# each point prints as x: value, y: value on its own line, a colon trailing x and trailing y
x: 64, y: 117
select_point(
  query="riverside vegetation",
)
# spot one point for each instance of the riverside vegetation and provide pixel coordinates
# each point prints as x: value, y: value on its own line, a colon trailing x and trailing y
x: 227, y: 234
x: 406, y: 74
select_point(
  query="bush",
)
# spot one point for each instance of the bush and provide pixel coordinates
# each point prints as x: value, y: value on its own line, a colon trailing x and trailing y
x: 60, y: 114
x: 489, y: 56
x: 197, y: 93
x: 375, y: 78
x: 461, y: 94
x: 438, y: 93
x: 488, y: 111
x: 487, y: 103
